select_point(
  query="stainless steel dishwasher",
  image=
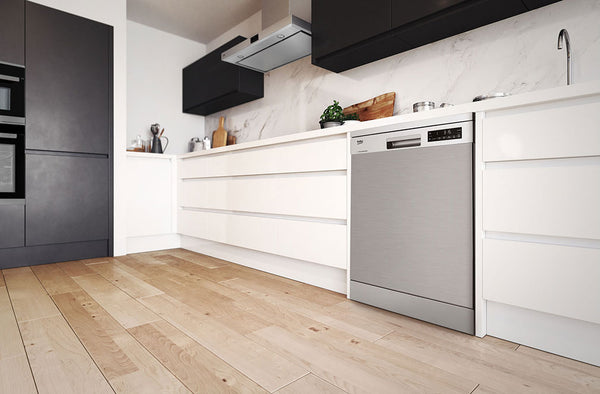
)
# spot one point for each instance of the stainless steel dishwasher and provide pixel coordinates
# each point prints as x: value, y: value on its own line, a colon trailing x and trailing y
x: 411, y: 220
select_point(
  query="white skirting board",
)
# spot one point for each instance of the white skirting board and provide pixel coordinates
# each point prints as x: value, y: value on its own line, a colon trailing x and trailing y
x: 150, y: 243
x: 303, y: 271
x: 567, y: 337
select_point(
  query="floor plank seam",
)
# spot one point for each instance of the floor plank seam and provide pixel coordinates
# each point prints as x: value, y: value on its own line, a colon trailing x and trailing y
x: 472, y: 391
x: 74, y: 332
x: 292, y: 382
x: 12, y: 307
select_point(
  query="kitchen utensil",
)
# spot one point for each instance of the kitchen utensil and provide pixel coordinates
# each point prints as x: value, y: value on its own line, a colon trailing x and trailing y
x: 157, y: 144
x: 206, y: 143
x: 219, y: 136
x: 154, y: 128
x: 423, y: 106
x: 231, y: 139
x: 378, y: 107
x: 193, y: 144
x: 446, y: 105
x: 490, y: 96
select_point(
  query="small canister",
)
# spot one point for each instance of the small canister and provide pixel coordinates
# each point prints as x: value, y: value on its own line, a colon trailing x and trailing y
x: 423, y: 106
x: 206, y: 143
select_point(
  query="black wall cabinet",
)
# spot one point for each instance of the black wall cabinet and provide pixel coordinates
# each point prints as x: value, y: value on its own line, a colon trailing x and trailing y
x: 67, y: 199
x: 68, y: 89
x: 347, y: 34
x: 12, y: 31
x: 211, y: 85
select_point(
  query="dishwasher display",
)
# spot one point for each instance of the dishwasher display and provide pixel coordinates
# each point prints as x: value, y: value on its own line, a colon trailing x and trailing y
x: 412, y: 220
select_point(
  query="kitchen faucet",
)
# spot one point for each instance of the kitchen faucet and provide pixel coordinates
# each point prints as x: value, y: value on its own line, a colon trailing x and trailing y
x: 564, y: 33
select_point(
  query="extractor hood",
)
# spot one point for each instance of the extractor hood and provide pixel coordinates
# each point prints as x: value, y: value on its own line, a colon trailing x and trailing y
x: 285, y: 37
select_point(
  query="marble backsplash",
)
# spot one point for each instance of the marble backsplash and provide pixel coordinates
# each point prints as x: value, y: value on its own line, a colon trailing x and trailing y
x: 514, y: 55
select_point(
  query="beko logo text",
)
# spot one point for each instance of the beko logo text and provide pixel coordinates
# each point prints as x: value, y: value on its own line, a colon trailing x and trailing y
x: 359, y: 142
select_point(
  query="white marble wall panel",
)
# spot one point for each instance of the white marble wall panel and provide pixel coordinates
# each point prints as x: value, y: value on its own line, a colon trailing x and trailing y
x: 514, y: 55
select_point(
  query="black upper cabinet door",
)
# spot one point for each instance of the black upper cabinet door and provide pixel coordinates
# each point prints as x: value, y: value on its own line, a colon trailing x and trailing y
x: 69, y: 61
x: 211, y: 85
x: 337, y: 24
x: 67, y: 199
x: 459, y: 19
x: 12, y: 31
x: 406, y: 11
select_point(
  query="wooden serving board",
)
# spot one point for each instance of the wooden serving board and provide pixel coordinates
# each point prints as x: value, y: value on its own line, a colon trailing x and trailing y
x: 219, y: 136
x: 375, y: 108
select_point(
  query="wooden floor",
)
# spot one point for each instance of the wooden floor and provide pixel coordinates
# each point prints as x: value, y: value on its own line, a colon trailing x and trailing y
x: 175, y: 321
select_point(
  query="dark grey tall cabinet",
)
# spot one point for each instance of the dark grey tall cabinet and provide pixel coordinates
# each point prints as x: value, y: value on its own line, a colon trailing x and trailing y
x: 12, y: 39
x: 68, y: 139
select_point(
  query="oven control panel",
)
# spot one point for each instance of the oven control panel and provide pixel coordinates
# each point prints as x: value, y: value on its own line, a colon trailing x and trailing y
x: 444, y: 134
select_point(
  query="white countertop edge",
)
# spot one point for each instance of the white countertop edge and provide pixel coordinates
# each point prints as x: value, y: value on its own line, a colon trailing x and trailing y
x: 529, y: 98
x: 148, y: 155
x: 305, y: 135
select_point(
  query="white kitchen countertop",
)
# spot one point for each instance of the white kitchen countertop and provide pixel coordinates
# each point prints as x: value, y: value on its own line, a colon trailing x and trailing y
x: 537, y: 97
x: 148, y: 155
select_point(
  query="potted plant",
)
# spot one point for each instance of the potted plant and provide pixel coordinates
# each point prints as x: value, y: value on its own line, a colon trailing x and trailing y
x: 332, y: 116
x: 352, y: 118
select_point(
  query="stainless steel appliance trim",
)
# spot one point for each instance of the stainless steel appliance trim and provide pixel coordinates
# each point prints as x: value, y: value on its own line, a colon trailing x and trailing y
x: 446, y: 315
x: 9, y: 135
x: 414, y: 124
x: 12, y: 120
x: 405, y: 142
x: 9, y: 78
x: 12, y: 201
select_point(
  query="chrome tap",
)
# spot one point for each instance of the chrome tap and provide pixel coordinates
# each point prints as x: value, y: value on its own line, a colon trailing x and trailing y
x: 564, y: 33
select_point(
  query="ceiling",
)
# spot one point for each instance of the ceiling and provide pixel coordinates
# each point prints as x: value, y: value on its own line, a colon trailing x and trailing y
x: 198, y: 20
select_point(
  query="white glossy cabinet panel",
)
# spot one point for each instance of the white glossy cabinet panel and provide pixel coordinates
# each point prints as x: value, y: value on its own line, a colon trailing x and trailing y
x: 561, y: 280
x: 320, y: 195
x: 569, y: 129
x: 555, y: 198
x: 321, y: 243
x: 320, y: 154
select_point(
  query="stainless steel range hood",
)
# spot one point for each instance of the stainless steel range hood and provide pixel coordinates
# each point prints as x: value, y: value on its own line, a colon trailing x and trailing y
x: 285, y: 37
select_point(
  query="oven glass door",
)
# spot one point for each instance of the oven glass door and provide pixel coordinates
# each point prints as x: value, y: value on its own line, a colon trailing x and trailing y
x: 12, y: 91
x: 12, y: 162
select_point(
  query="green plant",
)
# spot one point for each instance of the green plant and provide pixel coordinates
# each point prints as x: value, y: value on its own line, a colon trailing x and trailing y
x: 333, y: 113
x: 352, y: 116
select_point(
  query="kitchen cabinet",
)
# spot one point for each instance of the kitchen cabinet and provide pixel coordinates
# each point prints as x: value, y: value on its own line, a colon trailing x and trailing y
x: 67, y: 199
x: 350, y: 34
x: 12, y: 230
x: 69, y: 82
x: 12, y: 31
x: 211, y: 85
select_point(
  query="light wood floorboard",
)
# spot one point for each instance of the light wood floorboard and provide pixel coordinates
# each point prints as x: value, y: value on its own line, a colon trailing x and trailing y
x: 177, y: 321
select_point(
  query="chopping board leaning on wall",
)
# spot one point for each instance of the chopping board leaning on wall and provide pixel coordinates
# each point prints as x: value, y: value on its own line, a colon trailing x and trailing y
x: 219, y: 136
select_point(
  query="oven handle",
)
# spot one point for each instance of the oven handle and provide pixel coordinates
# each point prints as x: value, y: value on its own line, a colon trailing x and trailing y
x: 7, y: 135
x: 9, y: 78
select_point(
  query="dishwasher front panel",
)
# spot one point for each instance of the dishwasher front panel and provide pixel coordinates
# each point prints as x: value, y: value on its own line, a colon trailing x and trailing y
x: 412, y: 222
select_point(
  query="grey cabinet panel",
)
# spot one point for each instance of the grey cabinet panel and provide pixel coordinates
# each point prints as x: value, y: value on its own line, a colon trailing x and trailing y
x: 12, y: 226
x: 69, y: 60
x: 12, y: 31
x: 67, y: 199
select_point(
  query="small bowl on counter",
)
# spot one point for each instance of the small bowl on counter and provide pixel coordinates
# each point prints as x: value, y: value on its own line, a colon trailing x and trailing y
x: 423, y: 106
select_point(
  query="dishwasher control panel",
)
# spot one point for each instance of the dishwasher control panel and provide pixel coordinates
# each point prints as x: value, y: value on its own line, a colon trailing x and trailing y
x: 444, y: 134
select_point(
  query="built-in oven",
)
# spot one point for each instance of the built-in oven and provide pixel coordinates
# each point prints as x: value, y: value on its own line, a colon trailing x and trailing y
x: 12, y: 93
x: 12, y: 161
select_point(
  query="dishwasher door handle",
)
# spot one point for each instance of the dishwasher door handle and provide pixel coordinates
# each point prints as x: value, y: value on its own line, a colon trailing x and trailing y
x: 405, y: 142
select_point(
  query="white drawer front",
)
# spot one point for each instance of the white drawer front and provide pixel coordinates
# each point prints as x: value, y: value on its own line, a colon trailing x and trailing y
x: 555, y: 198
x: 304, y: 156
x: 561, y: 280
x: 321, y: 243
x: 320, y: 195
x: 569, y: 129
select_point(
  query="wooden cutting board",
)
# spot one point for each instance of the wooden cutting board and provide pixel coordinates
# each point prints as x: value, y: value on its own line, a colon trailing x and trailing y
x: 219, y: 136
x: 375, y: 108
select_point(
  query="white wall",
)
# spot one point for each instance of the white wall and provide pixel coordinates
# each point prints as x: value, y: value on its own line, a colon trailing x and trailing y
x: 114, y: 13
x: 154, y: 83
x: 514, y: 55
